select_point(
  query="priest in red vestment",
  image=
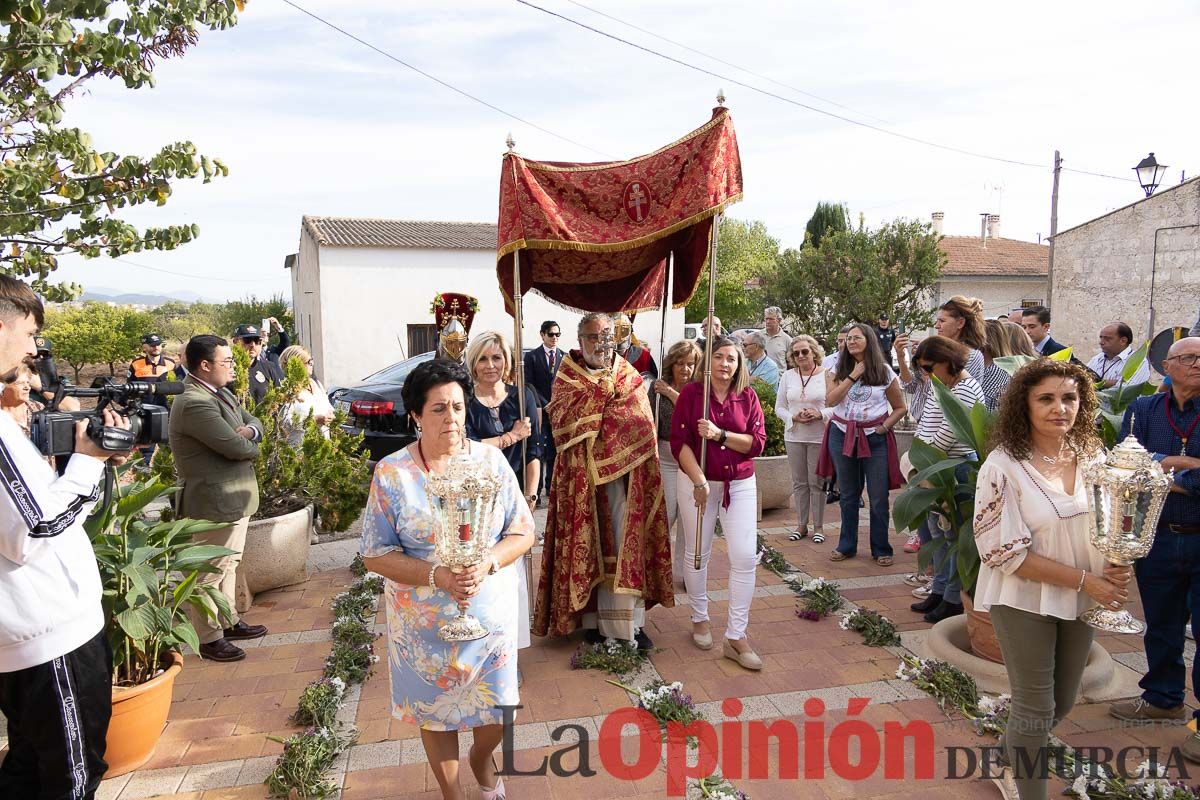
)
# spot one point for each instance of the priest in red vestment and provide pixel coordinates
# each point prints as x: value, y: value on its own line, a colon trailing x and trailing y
x: 607, y: 556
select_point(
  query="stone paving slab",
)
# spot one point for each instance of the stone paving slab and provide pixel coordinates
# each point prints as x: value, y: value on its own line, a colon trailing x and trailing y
x: 216, y: 746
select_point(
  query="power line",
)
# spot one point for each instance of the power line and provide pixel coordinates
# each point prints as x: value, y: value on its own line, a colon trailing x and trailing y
x: 814, y: 109
x: 438, y: 80
x: 186, y: 275
x: 721, y: 60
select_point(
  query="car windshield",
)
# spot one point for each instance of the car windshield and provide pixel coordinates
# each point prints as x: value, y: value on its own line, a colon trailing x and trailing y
x: 396, y: 373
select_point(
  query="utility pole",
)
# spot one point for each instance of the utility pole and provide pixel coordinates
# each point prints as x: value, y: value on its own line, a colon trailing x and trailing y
x: 1053, y: 229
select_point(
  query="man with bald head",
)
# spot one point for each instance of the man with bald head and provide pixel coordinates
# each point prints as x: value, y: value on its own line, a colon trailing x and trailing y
x: 1168, y: 425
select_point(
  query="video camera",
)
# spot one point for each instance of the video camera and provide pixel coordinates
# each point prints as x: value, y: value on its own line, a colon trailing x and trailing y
x: 53, y: 430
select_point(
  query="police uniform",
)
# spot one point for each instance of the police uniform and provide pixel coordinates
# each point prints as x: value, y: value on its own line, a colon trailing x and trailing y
x: 264, y: 373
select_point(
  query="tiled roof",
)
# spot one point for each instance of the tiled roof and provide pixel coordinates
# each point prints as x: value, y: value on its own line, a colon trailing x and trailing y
x: 358, y: 232
x: 1000, y: 257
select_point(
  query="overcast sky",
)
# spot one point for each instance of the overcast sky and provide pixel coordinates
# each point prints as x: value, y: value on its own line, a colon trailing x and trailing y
x: 312, y: 122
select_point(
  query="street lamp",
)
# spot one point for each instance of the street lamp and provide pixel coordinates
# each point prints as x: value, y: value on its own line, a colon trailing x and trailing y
x: 1150, y: 173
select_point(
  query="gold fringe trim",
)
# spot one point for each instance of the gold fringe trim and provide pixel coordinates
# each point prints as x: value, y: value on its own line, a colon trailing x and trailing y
x: 617, y: 247
x: 599, y: 165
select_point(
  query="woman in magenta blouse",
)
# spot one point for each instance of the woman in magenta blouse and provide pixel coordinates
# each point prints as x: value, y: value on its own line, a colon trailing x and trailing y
x: 735, y: 434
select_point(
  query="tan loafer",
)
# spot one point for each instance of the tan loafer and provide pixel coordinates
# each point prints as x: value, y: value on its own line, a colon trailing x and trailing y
x: 748, y: 660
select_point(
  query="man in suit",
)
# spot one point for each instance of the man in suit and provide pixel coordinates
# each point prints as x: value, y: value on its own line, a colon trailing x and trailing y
x: 541, y: 365
x: 264, y: 372
x: 1036, y: 322
x: 215, y: 441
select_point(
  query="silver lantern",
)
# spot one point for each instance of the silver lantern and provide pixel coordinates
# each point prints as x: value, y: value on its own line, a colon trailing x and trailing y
x: 463, y: 499
x: 1128, y: 493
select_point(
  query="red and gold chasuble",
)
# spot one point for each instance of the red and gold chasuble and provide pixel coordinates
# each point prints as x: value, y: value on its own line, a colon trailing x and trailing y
x: 603, y: 430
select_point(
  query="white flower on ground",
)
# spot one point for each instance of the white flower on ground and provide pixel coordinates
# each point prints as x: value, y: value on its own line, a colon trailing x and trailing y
x: 1079, y: 787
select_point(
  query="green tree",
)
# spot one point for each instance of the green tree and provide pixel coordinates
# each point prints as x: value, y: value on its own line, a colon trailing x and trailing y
x: 59, y: 192
x: 73, y: 333
x: 177, y: 321
x: 746, y: 256
x: 253, y: 310
x: 826, y: 217
x: 857, y: 275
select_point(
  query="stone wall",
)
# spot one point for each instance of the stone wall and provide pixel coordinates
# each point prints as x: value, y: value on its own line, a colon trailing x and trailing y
x: 1104, y: 269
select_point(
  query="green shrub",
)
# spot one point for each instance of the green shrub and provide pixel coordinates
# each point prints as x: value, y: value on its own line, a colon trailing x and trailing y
x: 774, y: 425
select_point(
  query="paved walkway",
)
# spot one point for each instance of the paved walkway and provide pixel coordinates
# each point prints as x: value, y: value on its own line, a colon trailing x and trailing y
x: 216, y: 744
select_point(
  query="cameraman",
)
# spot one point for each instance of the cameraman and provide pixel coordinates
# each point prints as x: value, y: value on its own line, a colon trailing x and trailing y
x: 55, y: 662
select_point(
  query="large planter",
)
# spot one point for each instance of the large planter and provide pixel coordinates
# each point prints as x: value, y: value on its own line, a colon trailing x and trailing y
x: 275, y: 555
x: 903, y: 440
x: 773, y: 477
x: 139, y: 714
x: 981, y: 633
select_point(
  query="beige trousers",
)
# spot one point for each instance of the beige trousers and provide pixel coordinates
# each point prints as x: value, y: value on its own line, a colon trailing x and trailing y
x: 225, y: 579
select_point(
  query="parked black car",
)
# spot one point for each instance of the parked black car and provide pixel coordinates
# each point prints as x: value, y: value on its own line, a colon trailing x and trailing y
x: 375, y: 409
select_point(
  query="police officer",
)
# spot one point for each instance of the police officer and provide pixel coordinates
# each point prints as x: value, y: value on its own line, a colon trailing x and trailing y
x: 264, y: 373
x: 151, y: 367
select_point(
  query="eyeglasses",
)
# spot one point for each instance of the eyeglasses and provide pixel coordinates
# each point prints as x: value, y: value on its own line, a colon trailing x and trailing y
x: 856, y: 338
x: 554, y: 334
x: 597, y: 337
x: 926, y: 367
x: 801, y: 352
x: 229, y: 362
x: 1186, y: 360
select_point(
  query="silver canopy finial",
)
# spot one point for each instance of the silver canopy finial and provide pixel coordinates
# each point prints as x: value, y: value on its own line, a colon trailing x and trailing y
x: 721, y: 97
x: 508, y: 140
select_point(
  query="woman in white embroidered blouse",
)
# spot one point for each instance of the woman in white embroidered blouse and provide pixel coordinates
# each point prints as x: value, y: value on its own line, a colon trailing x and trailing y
x: 1038, y: 571
x: 800, y: 403
x: 311, y: 400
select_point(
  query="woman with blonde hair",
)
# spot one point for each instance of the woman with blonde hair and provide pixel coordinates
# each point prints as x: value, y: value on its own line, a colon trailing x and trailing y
x: 800, y: 403
x: 1019, y: 342
x: 494, y: 417
x: 311, y: 400
x: 961, y: 319
x: 679, y: 366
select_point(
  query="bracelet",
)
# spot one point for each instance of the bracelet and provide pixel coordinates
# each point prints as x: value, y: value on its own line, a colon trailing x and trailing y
x: 432, y: 570
x: 1082, y: 578
x: 700, y: 485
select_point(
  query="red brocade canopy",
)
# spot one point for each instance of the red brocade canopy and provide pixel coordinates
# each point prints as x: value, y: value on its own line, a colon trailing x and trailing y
x: 595, y: 237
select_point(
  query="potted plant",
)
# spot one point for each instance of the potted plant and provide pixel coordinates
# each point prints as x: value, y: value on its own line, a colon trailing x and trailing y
x: 149, y: 573
x: 771, y: 470
x: 326, y: 477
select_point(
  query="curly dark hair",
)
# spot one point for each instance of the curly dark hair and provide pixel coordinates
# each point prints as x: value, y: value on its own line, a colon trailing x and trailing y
x: 432, y: 374
x: 1012, y: 431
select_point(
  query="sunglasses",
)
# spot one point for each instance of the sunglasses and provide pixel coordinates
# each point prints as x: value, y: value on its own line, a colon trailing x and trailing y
x: 801, y: 352
x: 554, y: 334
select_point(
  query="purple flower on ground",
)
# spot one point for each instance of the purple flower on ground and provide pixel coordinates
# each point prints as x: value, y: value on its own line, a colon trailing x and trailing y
x: 809, y: 615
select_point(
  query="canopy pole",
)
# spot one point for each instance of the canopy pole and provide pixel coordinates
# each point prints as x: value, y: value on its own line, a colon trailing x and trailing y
x: 708, y: 341
x: 519, y: 368
x: 662, y: 334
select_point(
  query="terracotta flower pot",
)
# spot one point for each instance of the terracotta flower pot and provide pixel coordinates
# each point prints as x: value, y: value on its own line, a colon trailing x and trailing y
x: 139, y: 714
x: 981, y: 633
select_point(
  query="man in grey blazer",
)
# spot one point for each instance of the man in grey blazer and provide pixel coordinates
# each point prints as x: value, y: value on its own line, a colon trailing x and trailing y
x: 214, y: 441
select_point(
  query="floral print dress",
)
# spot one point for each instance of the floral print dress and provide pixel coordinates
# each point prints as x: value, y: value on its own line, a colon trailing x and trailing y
x: 438, y: 685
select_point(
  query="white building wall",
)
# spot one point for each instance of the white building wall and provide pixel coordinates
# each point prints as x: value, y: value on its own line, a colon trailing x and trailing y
x: 999, y: 295
x: 368, y: 296
x: 1103, y: 270
x: 306, y: 299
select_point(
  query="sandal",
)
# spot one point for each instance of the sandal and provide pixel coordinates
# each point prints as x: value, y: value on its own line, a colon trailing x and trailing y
x: 798, y: 534
x: 496, y: 792
x: 838, y: 555
x: 885, y: 561
x: 818, y: 538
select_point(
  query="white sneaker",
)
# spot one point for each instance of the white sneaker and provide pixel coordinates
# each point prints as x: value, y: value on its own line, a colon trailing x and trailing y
x: 921, y: 592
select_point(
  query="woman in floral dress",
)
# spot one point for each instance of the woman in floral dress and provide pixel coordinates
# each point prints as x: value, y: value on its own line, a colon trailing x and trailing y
x: 446, y: 687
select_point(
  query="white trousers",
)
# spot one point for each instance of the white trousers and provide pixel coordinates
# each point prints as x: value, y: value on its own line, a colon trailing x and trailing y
x: 739, y: 525
x: 670, y: 475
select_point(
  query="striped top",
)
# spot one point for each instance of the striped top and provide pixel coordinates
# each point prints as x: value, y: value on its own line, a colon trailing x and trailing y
x: 934, y: 429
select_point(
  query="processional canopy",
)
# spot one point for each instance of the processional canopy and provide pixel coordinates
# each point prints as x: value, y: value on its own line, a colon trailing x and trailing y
x: 596, y: 236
